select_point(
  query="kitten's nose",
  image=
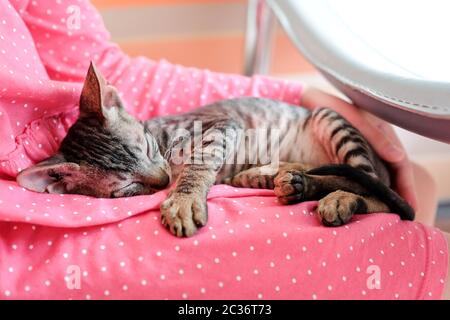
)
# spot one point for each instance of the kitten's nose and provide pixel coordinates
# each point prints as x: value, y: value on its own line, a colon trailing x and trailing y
x: 159, y: 180
x: 164, y: 180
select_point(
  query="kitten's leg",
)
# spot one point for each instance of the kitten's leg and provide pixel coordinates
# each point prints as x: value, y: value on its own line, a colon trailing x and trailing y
x: 185, y: 208
x: 338, y: 207
x: 291, y: 183
x: 293, y: 186
x: 344, y: 144
x: 340, y: 198
x: 262, y: 177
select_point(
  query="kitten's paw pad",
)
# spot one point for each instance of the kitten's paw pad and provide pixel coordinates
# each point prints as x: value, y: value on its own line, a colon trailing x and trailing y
x: 337, y: 208
x: 290, y: 186
x: 183, y: 214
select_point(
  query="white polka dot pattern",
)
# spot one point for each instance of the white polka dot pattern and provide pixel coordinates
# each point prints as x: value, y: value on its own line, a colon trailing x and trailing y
x: 74, y: 247
x: 288, y: 256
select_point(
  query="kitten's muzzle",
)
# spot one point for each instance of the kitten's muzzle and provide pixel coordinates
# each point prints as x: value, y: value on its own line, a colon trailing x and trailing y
x: 159, y: 180
x: 163, y: 181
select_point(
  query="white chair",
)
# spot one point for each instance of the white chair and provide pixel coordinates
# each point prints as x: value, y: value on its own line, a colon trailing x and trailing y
x: 391, y: 58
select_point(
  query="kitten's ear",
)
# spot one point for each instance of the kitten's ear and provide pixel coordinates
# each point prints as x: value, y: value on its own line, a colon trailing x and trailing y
x: 97, y: 96
x: 46, y: 175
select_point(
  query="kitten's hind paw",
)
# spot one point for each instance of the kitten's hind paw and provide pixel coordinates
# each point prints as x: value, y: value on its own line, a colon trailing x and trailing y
x: 183, y: 214
x: 338, y: 207
x: 290, y: 186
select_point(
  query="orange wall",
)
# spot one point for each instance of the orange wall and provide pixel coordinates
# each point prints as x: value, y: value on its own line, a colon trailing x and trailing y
x: 223, y: 53
x: 220, y: 51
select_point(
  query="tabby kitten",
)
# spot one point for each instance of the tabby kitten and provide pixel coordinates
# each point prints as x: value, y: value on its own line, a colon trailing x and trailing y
x: 318, y: 156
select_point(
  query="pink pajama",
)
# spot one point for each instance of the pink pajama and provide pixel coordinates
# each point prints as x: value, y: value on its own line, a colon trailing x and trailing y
x: 77, y: 247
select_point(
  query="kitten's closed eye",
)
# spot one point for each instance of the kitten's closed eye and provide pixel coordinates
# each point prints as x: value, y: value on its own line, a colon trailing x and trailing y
x: 148, y: 150
x: 151, y: 146
x: 133, y: 189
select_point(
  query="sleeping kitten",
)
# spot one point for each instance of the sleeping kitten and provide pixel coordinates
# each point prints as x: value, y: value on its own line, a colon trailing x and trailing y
x: 318, y: 156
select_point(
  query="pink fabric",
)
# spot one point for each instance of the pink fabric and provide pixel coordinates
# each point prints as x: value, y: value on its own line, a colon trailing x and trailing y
x: 252, y: 248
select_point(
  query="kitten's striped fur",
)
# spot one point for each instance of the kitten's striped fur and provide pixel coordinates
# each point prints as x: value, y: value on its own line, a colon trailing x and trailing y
x: 107, y: 153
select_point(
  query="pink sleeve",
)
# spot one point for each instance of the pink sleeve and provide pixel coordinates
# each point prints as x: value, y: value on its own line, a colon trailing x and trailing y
x: 68, y: 35
x: 66, y: 45
x: 164, y: 88
x: 174, y: 88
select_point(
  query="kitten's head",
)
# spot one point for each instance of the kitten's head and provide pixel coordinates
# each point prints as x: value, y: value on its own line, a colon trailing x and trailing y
x: 106, y: 153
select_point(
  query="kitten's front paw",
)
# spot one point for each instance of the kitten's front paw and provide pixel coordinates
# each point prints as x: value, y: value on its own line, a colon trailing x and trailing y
x: 337, y: 208
x: 182, y: 214
x: 290, y: 186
